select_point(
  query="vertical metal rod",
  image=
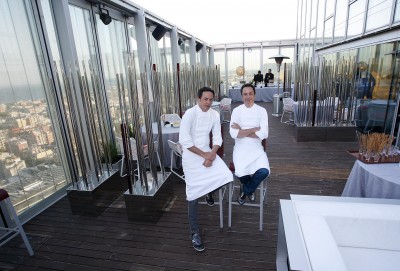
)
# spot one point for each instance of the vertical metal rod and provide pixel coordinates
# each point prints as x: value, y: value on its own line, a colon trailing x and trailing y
x: 135, y: 115
x: 74, y: 166
x: 80, y: 147
x: 125, y: 132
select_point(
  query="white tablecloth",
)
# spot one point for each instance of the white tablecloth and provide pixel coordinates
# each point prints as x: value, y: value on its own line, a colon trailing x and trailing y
x: 168, y: 133
x: 263, y: 94
x: 373, y: 181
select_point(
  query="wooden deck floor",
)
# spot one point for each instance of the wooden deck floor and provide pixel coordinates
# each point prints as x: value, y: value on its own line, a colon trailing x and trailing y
x: 65, y: 241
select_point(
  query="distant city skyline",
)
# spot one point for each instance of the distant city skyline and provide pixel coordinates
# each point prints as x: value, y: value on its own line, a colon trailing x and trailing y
x: 229, y: 21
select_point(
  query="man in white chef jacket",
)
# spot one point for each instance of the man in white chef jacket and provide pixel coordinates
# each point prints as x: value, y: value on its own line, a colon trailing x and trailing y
x: 204, y: 170
x: 248, y: 127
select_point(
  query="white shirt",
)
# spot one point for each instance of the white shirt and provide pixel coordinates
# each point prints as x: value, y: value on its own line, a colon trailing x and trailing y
x: 195, y: 131
x: 248, y: 153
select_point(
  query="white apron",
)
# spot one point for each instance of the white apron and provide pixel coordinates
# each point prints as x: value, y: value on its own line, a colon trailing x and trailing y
x: 248, y: 153
x: 195, y: 131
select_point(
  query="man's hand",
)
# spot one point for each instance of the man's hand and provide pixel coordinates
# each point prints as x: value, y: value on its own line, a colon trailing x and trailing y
x: 235, y: 126
x: 207, y: 163
x: 209, y: 156
x: 246, y: 132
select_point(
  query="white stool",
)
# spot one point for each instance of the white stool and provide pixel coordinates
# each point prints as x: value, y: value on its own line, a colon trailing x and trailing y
x: 262, y: 189
x: 7, y: 207
x: 221, y: 194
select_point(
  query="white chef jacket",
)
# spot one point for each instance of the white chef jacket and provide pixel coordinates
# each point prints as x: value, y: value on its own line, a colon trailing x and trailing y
x: 195, y: 131
x: 248, y: 153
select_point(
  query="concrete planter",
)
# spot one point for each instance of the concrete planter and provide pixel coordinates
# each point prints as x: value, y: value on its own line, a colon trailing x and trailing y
x: 149, y: 206
x: 93, y: 200
x: 332, y: 133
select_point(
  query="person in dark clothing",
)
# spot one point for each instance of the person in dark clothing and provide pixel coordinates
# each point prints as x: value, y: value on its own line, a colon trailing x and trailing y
x: 269, y: 77
x: 258, y: 78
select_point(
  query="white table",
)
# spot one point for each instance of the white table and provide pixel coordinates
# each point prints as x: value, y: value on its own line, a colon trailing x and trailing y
x: 168, y: 133
x: 344, y: 240
x: 263, y: 94
x: 373, y: 181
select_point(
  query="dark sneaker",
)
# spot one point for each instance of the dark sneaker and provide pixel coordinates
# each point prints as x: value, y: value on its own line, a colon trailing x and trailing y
x: 210, y: 199
x: 252, y: 197
x: 242, y: 198
x: 197, y: 243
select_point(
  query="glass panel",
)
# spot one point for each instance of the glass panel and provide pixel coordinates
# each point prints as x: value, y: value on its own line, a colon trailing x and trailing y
x: 340, y: 20
x: 269, y: 63
x: 133, y: 45
x: 378, y: 13
x: 376, y: 92
x: 330, y: 8
x: 397, y: 11
x: 219, y: 59
x: 328, y: 31
x: 356, y: 18
x: 184, y: 52
x: 31, y: 167
x: 112, y: 44
x: 307, y: 22
x: 314, y: 13
x: 289, y: 52
x: 320, y: 23
x: 251, y: 63
x: 235, y: 59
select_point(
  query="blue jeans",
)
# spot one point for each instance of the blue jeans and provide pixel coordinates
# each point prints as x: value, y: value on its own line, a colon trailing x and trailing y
x: 251, y: 182
x: 192, y: 212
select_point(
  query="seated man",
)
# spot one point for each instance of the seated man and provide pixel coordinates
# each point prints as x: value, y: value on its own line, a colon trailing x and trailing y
x: 204, y: 170
x: 269, y: 77
x: 258, y: 78
x: 249, y: 126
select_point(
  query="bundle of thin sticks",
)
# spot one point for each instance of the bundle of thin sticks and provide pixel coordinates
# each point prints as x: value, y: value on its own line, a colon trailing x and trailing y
x: 376, y: 142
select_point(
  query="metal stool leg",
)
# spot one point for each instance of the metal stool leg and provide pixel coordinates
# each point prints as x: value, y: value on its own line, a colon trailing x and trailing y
x: 230, y: 204
x: 221, y: 210
x: 261, y: 205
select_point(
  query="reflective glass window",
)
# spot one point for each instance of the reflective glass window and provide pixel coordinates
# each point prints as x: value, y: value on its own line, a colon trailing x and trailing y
x: 235, y: 59
x: 320, y: 20
x: 397, y: 11
x: 379, y: 12
x: 113, y: 47
x: 267, y: 62
x: 251, y: 62
x: 340, y: 20
x: 330, y: 8
x: 328, y: 31
x: 219, y: 59
x: 356, y: 18
x: 31, y: 165
x: 314, y: 13
x: 133, y: 45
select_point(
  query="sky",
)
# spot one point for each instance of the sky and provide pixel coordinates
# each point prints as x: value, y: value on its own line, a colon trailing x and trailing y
x: 227, y: 21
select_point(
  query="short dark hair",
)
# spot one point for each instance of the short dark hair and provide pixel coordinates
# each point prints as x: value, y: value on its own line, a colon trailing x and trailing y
x: 247, y: 85
x: 204, y: 89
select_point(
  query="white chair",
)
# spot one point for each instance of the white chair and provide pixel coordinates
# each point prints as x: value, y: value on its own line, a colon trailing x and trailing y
x: 176, y: 151
x: 225, y: 106
x: 219, y: 202
x: 171, y: 118
x: 288, y: 109
x: 12, y: 227
x: 134, y: 154
x: 261, y: 193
